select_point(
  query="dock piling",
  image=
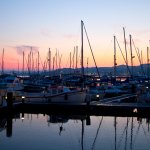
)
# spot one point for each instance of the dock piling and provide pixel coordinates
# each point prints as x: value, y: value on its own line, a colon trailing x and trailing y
x: 9, y: 100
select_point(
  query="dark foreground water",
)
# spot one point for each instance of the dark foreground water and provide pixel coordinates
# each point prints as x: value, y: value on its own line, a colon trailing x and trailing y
x: 56, y: 132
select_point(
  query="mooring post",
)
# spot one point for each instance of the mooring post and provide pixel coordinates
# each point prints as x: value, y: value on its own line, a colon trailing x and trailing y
x: 23, y: 97
x: 9, y: 100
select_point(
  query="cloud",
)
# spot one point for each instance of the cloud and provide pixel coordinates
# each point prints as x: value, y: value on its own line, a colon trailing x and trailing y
x: 26, y: 49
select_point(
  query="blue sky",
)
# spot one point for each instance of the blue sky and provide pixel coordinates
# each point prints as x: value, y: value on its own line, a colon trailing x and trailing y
x: 56, y: 24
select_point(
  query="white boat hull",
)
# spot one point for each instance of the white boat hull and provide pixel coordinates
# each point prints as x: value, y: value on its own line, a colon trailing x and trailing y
x: 66, y: 97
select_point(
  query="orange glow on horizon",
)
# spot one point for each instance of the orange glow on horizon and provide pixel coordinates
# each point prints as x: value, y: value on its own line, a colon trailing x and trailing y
x: 14, y: 61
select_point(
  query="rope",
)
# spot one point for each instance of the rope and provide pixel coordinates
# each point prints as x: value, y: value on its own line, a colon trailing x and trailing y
x: 91, y: 50
x: 124, y: 58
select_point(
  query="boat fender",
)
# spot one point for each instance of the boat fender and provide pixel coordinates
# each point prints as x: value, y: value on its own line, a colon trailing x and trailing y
x: 66, y: 96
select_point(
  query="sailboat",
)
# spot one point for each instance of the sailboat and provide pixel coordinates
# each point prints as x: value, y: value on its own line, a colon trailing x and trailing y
x: 60, y: 94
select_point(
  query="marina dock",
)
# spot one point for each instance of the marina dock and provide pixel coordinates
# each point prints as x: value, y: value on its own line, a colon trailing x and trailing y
x: 116, y: 106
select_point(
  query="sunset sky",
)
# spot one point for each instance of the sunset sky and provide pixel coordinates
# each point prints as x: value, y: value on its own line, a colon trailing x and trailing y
x: 55, y: 24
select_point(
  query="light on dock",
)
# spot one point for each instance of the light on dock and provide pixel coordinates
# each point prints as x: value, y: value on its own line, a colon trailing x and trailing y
x: 135, y: 110
x: 97, y: 95
x: 23, y: 97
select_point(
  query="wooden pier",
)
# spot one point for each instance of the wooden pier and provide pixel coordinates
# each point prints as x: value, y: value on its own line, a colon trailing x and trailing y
x: 118, y: 106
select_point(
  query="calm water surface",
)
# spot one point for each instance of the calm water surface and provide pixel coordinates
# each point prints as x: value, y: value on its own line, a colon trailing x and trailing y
x: 55, y: 132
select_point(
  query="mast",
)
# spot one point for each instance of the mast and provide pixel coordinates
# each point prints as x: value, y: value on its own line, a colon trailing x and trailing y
x: 53, y: 63
x: 115, y: 64
x: 23, y: 63
x: 125, y: 47
x: 76, y: 57
x: 142, y: 60
x: 131, y: 55
x: 148, y: 61
x: 82, y: 67
x: 38, y: 62
x: 28, y: 63
x: 56, y: 60
x: 73, y: 57
x: 87, y: 64
x: 31, y: 60
x: 70, y: 63
x: 49, y: 60
x: 3, y: 61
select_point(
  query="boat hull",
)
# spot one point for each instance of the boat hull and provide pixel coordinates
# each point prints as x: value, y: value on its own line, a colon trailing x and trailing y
x: 66, y: 97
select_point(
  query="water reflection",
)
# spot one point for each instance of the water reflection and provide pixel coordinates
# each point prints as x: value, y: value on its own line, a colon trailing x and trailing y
x: 75, y: 132
x: 3, y: 122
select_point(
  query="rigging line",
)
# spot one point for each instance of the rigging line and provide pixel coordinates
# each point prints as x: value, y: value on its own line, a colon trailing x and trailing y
x: 91, y: 50
x: 124, y: 58
x: 97, y: 133
x: 138, y: 55
x: 137, y: 52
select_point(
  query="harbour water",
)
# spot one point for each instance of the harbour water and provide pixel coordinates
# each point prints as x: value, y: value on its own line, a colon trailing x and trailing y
x: 75, y: 132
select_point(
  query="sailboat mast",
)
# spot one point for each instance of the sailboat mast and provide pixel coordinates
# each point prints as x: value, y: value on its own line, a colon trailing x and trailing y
x: 56, y: 59
x: 125, y: 43
x: 148, y: 61
x: 87, y: 64
x: 131, y: 55
x: 38, y: 62
x: 82, y: 67
x: 73, y: 57
x: 53, y: 63
x: 76, y: 57
x: 49, y: 58
x: 28, y: 63
x: 70, y: 63
x: 115, y: 57
x: 60, y: 61
x: 23, y: 63
x: 3, y: 62
x: 31, y: 60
